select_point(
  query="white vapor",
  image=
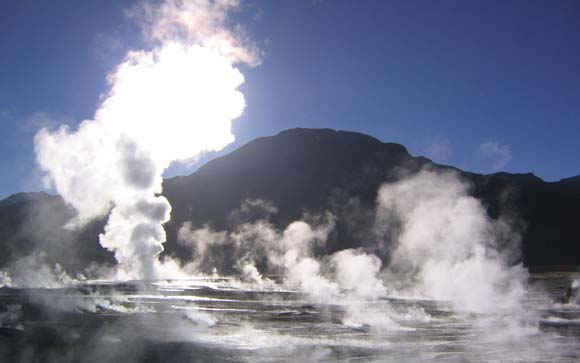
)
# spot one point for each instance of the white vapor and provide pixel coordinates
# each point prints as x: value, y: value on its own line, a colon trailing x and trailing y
x: 500, y: 155
x: 33, y: 271
x: 289, y: 252
x: 443, y: 245
x: 448, y: 244
x: 196, y: 22
x: 349, y: 277
x: 171, y: 103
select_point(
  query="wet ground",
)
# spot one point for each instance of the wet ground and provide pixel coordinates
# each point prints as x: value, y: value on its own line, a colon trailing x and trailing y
x: 218, y: 320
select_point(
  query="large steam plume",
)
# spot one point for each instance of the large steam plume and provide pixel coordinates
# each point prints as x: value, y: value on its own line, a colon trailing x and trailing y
x: 443, y: 246
x: 170, y: 103
x: 448, y: 246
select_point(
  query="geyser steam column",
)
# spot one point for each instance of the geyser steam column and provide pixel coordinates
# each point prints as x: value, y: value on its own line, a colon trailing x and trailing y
x: 166, y: 104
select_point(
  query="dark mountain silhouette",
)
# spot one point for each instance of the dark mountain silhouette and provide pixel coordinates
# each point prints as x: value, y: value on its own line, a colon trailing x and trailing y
x: 36, y: 222
x: 307, y: 171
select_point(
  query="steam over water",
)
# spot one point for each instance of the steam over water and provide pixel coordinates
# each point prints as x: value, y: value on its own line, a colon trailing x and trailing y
x: 227, y: 320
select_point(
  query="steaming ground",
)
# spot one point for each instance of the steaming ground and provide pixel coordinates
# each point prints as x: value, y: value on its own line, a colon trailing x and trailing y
x: 225, y: 319
x: 448, y: 291
x: 435, y: 282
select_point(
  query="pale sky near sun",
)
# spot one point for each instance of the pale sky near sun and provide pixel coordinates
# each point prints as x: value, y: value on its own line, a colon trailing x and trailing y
x: 481, y: 85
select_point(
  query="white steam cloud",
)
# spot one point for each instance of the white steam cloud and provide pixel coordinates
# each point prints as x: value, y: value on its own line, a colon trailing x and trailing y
x: 448, y: 245
x: 443, y: 246
x: 200, y: 22
x: 500, y: 155
x: 167, y: 104
x: 349, y: 277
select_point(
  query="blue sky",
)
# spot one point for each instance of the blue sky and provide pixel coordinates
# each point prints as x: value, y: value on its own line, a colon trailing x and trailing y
x: 482, y: 85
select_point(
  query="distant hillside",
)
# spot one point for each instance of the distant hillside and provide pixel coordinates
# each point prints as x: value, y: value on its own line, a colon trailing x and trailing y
x: 34, y: 222
x: 312, y: 170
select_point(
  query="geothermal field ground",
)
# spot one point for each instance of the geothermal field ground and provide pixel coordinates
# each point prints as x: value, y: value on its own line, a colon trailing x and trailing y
x: 227, y: 320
